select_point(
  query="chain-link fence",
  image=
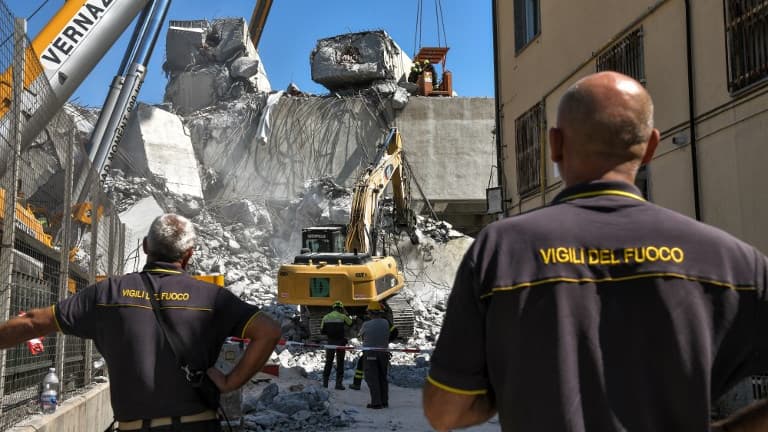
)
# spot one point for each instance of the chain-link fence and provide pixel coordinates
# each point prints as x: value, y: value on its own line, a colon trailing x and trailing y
x: 45, y: 255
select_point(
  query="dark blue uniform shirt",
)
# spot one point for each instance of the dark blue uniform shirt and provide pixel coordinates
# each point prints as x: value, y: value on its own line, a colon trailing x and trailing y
x: 145, y: 381
x: 603, y: 312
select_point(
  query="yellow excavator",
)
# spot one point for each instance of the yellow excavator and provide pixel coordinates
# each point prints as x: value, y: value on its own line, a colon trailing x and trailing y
x: 340, y: 262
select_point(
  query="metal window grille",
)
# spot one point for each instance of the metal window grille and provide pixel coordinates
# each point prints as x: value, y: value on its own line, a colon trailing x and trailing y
x: 625, y: 56
x: 527, y: 22
x: 746, y: 28
x: 529, y: 130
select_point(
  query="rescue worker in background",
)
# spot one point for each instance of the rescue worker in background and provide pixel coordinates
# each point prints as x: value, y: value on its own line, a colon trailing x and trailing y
x: 427, y: 67
x: 662, y: 316
x: 360, y: 368
x: 148, y: 389
x: 413, y: 77
x: 375, y: 334
x: 334, y: 325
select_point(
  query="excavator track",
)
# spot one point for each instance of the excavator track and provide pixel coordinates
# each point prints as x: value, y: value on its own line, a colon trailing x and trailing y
x: 402, y: 316
x: 313, y: 316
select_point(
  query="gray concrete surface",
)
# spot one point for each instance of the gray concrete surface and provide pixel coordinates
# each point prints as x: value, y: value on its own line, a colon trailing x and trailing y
x: 358, y: 59
x: 159, y: 144
x: 89, y: 412
x: 448, y: 142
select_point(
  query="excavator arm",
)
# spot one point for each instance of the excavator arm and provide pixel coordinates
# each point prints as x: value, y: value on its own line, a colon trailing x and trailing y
x: 387, y: 168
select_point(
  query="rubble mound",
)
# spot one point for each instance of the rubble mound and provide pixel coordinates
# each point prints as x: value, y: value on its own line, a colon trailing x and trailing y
x: 298, y: 409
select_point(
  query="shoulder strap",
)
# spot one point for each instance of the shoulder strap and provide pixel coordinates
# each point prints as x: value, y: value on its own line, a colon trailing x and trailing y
x: 169, y: 334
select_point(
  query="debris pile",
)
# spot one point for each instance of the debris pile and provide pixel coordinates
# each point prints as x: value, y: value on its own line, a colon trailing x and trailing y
x: 298, y: 409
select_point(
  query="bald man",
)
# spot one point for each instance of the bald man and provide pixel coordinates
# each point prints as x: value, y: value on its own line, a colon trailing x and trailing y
x: 601, y: 311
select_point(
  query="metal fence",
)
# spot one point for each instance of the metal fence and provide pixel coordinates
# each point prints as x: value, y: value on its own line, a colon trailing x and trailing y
x: 45, y: 255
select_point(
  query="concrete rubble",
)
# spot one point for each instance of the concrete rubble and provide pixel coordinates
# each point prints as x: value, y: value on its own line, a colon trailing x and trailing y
x: 298, y: 409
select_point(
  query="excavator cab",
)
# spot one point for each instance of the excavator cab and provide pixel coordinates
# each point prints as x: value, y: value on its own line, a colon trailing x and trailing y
x: 320, y: 239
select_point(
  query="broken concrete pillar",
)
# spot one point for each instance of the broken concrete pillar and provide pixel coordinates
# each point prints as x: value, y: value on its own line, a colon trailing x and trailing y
x: 357, y: 59
x: 183, y: 45
x: 159, y: 144
x: 195, y: 47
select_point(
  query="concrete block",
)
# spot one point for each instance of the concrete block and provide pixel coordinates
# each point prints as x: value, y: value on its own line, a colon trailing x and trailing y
x: 400, y: 98
x: 183, y: 45
x: 137, y: 220
x: 246, y: 213
x: 161, y: 146
x: 244, y: 67
x: 228, y: 37
x: 197, y: 89
x: 358, y: 59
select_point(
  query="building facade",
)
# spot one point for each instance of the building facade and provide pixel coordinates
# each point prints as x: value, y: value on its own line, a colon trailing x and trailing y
x: 705, y: 64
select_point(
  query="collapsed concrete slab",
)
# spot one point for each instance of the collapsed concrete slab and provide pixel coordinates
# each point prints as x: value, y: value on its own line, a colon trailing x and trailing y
x: 137, y: 220
x: 357, y: 60
x: 158, y: 144
x: 205, y: 61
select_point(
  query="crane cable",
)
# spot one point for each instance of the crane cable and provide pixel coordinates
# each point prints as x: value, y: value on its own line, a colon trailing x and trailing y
x: 442, y: 36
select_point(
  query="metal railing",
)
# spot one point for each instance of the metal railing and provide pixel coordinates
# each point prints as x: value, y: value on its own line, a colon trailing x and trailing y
x: 45, y: 255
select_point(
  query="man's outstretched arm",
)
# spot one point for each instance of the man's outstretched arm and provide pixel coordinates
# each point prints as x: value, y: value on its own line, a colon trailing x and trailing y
x: 264, y: 333
x: 447, y: 410
x: 35, y: 323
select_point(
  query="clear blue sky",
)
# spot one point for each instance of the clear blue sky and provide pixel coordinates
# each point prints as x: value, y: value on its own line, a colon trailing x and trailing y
x: 292, y: 29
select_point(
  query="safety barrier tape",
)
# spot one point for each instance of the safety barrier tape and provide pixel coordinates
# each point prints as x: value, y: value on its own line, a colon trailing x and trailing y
x: 351, y: 347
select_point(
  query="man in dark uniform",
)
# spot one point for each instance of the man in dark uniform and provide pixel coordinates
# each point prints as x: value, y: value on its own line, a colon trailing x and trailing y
x: 334, y: 325
x: 148, y: 389
x: 600, y: 312
x: 375, y: 334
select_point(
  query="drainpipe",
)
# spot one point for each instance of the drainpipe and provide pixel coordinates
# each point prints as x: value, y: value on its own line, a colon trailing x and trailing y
x: 692, y: 111
x: 497, y: 102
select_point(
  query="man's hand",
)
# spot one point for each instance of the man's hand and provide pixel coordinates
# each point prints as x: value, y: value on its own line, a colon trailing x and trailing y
x: 35, y: 323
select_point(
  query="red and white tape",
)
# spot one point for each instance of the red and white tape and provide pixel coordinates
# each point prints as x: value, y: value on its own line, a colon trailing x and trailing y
x: 350, y: 347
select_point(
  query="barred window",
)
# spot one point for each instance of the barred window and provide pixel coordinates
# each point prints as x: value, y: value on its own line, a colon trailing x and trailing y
x: 625, y: 56
x: 529, y: 129
x: 527, y: 22
x: 746, y: 28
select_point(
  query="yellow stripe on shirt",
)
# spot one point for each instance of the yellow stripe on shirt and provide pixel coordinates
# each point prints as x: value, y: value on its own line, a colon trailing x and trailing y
x: 242, y: 335
x: 454, y: 389
x: 55, y: 320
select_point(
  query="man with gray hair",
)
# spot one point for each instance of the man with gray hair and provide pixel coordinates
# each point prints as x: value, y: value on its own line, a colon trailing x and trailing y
x: 148, y: 389
x: 601, y: 311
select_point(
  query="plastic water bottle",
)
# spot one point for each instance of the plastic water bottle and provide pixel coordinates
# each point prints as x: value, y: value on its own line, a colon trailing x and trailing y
x: 49, y: 397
